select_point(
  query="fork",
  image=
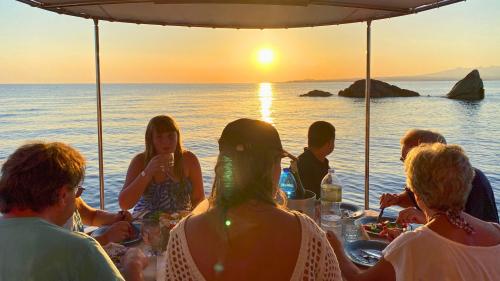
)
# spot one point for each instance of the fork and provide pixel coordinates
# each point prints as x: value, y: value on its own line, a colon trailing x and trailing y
x: 372, y: 253
x: 379, y: 218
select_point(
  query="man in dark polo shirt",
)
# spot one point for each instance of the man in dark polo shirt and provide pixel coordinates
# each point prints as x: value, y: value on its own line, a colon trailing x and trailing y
x: 312, y: 164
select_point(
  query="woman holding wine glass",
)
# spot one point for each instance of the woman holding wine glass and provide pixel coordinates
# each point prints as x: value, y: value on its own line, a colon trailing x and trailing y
x: 164, y: 177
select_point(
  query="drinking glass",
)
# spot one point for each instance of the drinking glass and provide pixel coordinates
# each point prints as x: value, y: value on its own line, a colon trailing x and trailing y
x: 350, y: 231
x: 331, y: 219
x: 151, y: 234
x: 170, y: 160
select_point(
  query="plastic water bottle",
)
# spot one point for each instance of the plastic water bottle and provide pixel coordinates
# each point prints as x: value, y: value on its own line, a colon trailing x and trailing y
x: 287, y: 183
x: 331, y: 196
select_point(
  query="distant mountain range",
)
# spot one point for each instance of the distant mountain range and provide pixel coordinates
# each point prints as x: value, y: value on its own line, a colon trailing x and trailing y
x: 487, y: 73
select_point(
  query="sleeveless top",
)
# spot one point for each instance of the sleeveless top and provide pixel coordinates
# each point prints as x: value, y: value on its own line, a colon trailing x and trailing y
x: 315, y: 261
x: 426, y: 255
x: 168, y: 196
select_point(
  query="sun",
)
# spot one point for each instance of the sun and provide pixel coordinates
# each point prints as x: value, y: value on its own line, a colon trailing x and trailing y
x: 265, y: 56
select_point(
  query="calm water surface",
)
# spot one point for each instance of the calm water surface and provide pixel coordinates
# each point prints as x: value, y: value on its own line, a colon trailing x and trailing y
x: 68, y: 113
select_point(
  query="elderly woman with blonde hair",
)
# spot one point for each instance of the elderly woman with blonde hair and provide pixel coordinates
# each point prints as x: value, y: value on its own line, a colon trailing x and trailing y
x: 452, y: 245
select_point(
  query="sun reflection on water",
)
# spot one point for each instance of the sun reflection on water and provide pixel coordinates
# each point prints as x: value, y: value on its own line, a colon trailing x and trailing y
x: 266, y: 101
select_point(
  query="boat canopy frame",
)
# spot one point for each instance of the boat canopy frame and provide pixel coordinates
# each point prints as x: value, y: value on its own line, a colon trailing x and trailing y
x: 351, y: 10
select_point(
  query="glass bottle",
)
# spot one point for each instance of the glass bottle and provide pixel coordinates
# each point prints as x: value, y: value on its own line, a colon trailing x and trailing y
x: 331, y: 197
x: 300, y: 190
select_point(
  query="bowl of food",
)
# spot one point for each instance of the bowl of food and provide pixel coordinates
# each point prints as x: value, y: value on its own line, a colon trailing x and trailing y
x: 378, y: 229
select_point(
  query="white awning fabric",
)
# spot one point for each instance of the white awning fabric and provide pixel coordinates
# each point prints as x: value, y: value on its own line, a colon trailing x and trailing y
x: 238, y: 13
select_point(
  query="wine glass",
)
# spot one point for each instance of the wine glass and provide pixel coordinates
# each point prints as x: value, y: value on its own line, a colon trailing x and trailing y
x: 170, y: 160
x: 151, y: 234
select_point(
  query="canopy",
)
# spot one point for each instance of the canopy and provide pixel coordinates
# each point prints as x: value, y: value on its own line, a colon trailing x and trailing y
x: 238, y: 13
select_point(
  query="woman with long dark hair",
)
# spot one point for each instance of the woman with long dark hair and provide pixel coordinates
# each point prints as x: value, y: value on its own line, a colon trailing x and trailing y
x: 164, y: 177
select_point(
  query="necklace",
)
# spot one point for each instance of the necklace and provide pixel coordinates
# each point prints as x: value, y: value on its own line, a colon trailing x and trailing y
x: 456, y: 219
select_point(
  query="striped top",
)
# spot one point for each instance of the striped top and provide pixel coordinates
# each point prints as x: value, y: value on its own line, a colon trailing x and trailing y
x: 168, y: 196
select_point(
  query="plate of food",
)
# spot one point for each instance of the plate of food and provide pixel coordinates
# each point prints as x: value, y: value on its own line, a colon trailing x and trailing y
x: 365, y: 252
x: 115, y: 252
x: 378, y: 229
x: 134, y: 237
x: 165, y: 219
x: 350, y: 211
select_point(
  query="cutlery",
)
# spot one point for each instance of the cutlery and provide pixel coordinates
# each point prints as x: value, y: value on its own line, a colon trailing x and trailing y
x: 379, y: 218
x: 374, y: 253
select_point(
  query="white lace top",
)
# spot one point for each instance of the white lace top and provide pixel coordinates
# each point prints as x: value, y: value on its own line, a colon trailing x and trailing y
x: 316, y: 259
x: 425, y: 255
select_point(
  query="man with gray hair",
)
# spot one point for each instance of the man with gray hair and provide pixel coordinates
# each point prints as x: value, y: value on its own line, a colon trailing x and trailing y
x: 481, y: 200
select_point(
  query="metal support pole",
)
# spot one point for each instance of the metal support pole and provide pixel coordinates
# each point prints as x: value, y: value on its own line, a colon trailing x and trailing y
x: 99, y: 114
x: 367, y: 116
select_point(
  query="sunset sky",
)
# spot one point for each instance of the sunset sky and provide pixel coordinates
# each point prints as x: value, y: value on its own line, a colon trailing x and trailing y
x: 38, y: 46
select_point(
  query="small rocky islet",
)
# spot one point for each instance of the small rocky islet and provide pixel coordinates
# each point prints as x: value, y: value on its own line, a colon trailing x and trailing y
x: 470, y: 88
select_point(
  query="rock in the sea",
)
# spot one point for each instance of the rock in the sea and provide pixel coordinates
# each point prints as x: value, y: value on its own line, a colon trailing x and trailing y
x: 378, y: 89
x: 317, y: 93
x: 470, y: 88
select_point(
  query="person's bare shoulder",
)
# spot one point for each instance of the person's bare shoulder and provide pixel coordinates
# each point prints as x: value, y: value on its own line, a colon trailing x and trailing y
x: 138, y: 159
x: 488, y: 231
x: 282, y: 218
x: 190, y: 161
x: 201, y: 221
x: 494, y: 231
x: 189, y: 157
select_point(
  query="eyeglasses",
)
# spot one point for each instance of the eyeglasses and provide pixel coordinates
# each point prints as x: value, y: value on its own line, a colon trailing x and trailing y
x: 79, y: 190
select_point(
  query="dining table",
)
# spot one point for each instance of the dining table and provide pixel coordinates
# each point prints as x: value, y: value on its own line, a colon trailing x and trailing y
x: 156, y: 268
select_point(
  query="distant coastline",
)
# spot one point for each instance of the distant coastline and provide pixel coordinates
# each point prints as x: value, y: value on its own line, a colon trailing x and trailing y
x: 390, y: 79
x: 491, y: 73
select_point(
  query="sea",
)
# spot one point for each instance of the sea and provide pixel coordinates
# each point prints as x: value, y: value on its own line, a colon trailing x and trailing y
x: 67, y: 113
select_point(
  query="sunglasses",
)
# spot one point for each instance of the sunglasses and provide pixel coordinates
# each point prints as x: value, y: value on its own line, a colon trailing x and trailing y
x: 79, y: 190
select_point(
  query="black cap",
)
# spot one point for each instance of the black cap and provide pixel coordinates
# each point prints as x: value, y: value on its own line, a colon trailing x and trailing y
x: 249, y: 134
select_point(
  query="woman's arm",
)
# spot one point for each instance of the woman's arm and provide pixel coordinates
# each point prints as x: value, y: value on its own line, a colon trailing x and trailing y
x: 382, y: 271
x: 194, y: 175
x: 135, y: 183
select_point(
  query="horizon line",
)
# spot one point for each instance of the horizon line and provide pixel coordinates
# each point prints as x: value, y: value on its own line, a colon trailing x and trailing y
x: 395, y: 79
